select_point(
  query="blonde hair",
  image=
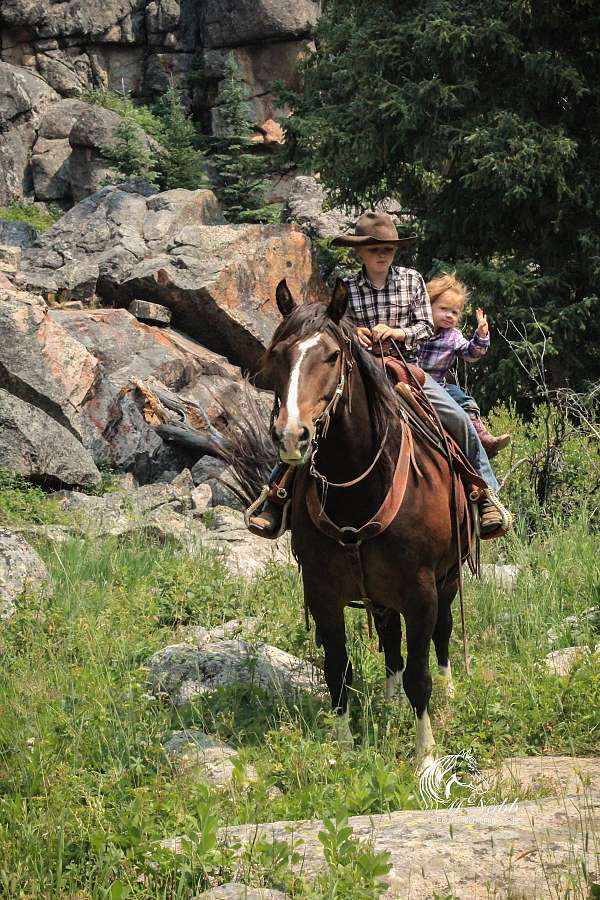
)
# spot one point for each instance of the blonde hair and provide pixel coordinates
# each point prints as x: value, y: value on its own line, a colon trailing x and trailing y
x: 447, y: 281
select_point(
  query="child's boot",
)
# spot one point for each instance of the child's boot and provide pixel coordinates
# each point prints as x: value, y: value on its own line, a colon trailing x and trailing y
x: 268, y: 515
x: 492, y: 445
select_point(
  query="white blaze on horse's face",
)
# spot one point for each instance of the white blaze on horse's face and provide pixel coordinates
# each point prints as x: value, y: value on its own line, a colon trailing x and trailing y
x: 311, y: 382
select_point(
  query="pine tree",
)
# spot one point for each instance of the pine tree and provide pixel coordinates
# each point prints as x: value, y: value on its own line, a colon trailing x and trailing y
x: 240, y: 175
x: 482, y: 118
x: 131, y: 155
x: 182, y: 163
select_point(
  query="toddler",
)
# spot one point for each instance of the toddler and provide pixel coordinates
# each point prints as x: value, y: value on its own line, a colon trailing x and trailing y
x: 438, y: 354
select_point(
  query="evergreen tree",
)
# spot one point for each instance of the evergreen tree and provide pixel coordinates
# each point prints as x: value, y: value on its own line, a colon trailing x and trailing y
x: 240, y: 175
x: 131, y: 155
x: 482, y: 117
x: 182, y: 163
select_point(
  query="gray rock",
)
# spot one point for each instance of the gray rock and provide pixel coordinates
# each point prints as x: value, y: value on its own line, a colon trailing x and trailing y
x: 150, y: 312
x: 243, y: 553
x: 562, y: 662
x: 236, y: 891
x: 42, y: 364
x: 504, y: 576
x: 181, y: 672
x: 21, y: 569
x: 228, y: 23
x: 17, y: 234
x: 23, y: 99
x: 37, y: 447
x: 215, y: 475
x: 201, y: 499
x: 306, y: 206
x: 208, y: 757
x: 10, y: 256
x: 51, y: 170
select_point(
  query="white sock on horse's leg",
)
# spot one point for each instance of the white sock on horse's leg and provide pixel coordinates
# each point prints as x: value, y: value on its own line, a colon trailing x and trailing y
x: 448, y: 683
x: 425, y: 742
x: 342, y: 732
x: 394, y: 689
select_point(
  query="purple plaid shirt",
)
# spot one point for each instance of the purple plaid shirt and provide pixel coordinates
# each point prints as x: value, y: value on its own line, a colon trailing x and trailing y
x: 437, y: 355
x: 401, y: 303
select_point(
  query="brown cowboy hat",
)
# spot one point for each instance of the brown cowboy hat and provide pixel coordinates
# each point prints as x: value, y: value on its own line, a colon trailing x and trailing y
x: 373, y: 228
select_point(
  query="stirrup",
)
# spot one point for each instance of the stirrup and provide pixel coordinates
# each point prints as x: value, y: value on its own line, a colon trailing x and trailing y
x: 256, y: 505
x: 254, y: 529
x: 507, y: 519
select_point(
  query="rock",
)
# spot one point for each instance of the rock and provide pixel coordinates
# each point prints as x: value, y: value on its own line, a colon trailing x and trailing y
x: 244, y: 553
x: 306, y: 206
x: 23, y: 99
x: 5, y: 283
x: 228, y: 23
x: 236, y: 891
x: 37, y: 447
x: 201, y: 499
x: 200, y: 637
x: 93, y: 131
x: 503, y: 576
x: 214, y: 474
x: 182, y: 671
x: 17, y: 234
x: 561, y: 775
x: 218, y: 280
x: 21, y: 569
x: 10, y: 255
x: 114, y: 427
x: 42, y: 364
x: 209, y: 758
x: 51, y: 170
x: 562, y: 662
x: 150, y: 312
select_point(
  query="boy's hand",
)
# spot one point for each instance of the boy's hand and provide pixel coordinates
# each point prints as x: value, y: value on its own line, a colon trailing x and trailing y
x: 363, y: 336
x: 382, y: 332
x: 483, y: 329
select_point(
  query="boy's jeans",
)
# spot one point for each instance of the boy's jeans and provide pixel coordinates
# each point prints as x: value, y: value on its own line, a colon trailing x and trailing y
x: 463, y: 399
x: 457, y: 422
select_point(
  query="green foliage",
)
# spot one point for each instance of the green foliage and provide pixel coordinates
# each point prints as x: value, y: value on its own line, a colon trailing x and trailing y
x: 240, y: 175
x: 182, y: 163
x: 131, y: 155
x: 31, y: 214
x: 477, y: 117
x: 354, y: 869
x: 121, y: 103
x: 22, y: 503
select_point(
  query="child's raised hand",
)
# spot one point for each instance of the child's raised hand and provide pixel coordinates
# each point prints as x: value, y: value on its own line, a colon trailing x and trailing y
x: 483, y: 329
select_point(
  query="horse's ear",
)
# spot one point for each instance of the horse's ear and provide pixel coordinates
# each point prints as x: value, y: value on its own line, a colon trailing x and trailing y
x: 285, y: 301
x: 339, y: 301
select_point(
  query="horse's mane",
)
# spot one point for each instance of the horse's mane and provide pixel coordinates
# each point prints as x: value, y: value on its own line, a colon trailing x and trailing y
x: 311, y: 318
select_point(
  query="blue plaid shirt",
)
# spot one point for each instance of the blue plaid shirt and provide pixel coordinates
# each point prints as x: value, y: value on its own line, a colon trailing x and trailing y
x: 401, y: 303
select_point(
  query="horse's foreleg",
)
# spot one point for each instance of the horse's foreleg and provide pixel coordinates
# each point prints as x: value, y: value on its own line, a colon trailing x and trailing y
x: 338, y: 674
x: 417, y: 677
x: 389, y: 628
x: 441, y: 638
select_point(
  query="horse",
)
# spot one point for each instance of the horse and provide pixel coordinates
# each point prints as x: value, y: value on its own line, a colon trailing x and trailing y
x: 338, y: 421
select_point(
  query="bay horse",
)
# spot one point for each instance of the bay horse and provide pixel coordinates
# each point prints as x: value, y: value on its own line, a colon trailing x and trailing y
x: 338, y: 421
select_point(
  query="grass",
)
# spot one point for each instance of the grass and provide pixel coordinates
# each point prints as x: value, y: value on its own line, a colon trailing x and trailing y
x: 86, y: 792
x: 31, y: 214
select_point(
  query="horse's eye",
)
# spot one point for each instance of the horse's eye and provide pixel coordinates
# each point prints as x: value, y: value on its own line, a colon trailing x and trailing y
x: 333, y: 358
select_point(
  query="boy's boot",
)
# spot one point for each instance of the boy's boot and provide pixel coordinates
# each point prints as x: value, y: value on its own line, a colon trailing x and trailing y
x: 268, y: 515
x: 492, y: 445
x: 494, y: 519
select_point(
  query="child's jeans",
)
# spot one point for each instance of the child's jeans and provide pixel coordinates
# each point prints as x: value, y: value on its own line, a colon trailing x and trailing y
x: 463, y: 399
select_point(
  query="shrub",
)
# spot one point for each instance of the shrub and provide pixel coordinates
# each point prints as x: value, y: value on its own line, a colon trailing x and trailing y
x: 182, y: 164
x: 31, y: 214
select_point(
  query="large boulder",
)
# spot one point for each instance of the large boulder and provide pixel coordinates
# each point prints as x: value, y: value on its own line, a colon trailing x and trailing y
x: 42, y: 364
x: 36, y: 446
x: 230, y: 23
x: 171, y: 248
x: 51, y: 159
x: 17, y: 234
x: 23, y: 99
x: 21, y: 569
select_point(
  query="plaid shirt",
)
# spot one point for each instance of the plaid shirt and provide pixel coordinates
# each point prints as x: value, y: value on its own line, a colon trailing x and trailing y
x: 438, y: 354
x: 401, y: 303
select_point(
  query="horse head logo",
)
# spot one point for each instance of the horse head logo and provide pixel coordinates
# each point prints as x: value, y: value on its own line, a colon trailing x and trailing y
x: 458, y: 770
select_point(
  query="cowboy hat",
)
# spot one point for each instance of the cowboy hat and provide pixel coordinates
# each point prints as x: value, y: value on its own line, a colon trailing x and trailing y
x: 373, y: 228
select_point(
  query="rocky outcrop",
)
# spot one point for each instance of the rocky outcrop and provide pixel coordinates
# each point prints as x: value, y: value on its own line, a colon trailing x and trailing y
x: 136, y: 47
x: 218, y: 280
x: 36, y: 446
x: 21, y: 569
x: 24, y: 97
x: 181, y: 672
x: 208, y: 758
